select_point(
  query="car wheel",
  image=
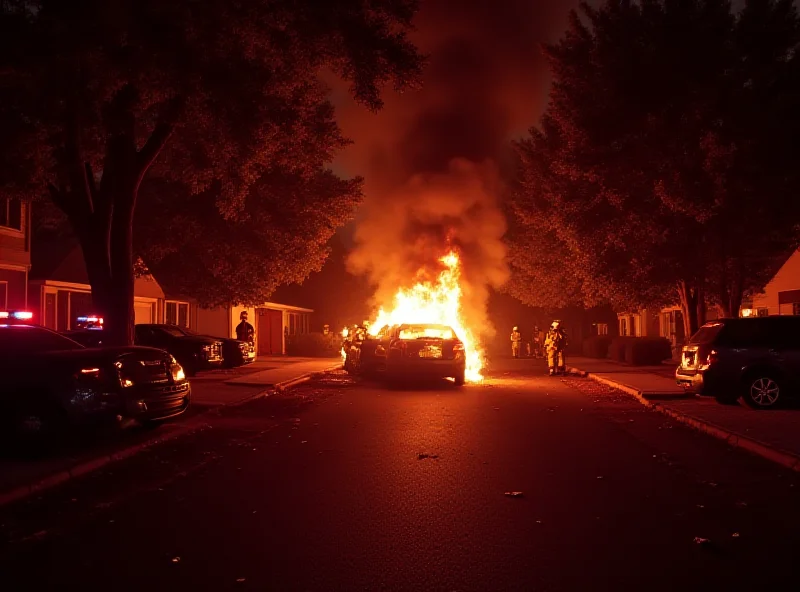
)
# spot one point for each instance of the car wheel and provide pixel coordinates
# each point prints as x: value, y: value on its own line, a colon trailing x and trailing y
x: 763, y: 391
x: 461, y: 378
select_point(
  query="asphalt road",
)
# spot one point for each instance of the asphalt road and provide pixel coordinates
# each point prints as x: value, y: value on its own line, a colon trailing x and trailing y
x: 340, y: 485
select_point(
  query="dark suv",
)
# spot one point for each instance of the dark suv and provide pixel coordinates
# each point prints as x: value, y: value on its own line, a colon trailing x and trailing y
x: 757, y: 359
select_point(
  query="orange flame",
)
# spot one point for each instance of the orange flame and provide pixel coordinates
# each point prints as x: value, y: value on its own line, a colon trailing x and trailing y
x: 436, y: 303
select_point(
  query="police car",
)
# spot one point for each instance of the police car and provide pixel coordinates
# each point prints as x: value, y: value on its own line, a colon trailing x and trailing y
x: 49, y: 382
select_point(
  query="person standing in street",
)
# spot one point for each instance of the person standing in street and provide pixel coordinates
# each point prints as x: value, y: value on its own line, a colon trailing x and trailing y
x: 244, y: 330
x: 555, y: 344
x: 516, y: 340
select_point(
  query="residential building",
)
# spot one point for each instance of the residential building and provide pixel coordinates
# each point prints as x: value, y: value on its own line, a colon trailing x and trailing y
x: 15, y: 253
x: 59, y: 290
x: 781, y: 296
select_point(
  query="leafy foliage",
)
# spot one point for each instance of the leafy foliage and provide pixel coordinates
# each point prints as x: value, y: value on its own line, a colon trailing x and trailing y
x: 219, y: 98
x: 663, y: 168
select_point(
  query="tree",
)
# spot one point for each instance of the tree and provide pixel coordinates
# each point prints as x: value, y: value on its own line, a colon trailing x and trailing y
x: 664, y: 166
x: 215, y: 96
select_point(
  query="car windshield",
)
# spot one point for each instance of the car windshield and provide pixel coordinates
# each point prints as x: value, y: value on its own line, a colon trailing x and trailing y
x: 183, y: 330
x: 707, y: 333
x: 426, y: 332
x: 22, y: 339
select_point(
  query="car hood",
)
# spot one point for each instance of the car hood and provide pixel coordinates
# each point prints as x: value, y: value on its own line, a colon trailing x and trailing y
x: 108, y: 354
x: 198, y: 339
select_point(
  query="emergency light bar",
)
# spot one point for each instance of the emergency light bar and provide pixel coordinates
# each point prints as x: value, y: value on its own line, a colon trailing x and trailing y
x: 20, y: 315
x: 90, y: 320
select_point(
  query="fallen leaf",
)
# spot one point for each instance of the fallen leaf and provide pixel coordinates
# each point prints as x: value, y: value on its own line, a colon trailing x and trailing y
x: 514, y: 493
x: 176, y: 560
x: 735, y: 535
x: 240, y: 580
x: 701, y: 541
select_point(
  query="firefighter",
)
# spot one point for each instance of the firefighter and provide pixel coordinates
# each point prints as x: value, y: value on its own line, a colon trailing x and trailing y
x: 555, y: 343
x: 516, y: 338
x: 244, y: 330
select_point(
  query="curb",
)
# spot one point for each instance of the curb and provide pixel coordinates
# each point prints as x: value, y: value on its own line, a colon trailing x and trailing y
x: 785, y: 458
x: 94, y: 464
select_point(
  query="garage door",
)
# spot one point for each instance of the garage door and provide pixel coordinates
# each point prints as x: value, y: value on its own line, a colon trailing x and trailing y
x: 143, y: 313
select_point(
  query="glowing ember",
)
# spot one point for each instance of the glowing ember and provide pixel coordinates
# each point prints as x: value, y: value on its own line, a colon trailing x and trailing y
x: 436, y: 303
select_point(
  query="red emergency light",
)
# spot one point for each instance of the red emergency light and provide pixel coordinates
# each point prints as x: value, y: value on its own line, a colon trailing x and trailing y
x: 17, y: 315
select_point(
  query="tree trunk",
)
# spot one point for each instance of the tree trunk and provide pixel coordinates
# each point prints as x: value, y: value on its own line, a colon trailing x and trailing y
x: 692, y: 307
x: 122, y: 267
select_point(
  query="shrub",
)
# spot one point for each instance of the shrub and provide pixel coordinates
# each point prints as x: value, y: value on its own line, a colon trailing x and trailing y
x: 314, y: 345
x: 596, y: 346
x: 616, y: 349
x: 648, y: 351
x: 640, y: 351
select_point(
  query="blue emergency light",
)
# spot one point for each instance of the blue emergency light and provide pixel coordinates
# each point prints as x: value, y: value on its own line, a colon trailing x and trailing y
x: 17, y: 315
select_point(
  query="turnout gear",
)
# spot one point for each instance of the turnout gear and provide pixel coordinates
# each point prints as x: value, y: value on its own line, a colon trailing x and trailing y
x: 516, y: 340
x: 555, y: 344
x: 244, y: 330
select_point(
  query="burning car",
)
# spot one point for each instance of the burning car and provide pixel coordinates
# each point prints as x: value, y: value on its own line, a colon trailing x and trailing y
x: 416, y: 350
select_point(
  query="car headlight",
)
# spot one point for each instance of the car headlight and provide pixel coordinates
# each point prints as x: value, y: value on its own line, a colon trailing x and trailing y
x: 178, y: 374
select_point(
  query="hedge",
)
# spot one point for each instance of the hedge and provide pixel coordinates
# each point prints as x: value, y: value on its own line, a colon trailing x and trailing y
x: 596, y: 346
x: 314, y: 345
x: 640, y: 351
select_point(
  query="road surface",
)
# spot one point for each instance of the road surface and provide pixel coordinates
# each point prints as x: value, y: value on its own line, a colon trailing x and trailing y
x: 343, y: 485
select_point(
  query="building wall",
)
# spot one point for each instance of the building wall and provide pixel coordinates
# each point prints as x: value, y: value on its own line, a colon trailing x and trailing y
x: 15, y: 254
x: 777, y: 297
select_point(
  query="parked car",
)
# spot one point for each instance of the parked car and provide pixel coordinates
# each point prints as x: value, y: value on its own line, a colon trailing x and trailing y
x: 49, y: 382
x: 755, y: 359
x: 235, y: 353
x: 415, y: 350
x: 193, y: 352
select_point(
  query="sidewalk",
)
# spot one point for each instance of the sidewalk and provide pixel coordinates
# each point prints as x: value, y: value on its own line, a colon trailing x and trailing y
x: 774, y: 434
x: 211, y: 390
x: 283, y: 372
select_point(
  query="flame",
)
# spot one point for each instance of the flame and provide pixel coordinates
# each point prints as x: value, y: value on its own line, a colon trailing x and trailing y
x: 436, y: 303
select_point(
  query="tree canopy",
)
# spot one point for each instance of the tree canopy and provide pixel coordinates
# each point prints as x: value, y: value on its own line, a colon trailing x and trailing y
x: 664, y: 169
x: 218, y: 102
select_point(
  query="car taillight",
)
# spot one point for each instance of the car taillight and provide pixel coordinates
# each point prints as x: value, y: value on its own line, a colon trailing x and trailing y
x: 458, y: 347
x: 711, y: 358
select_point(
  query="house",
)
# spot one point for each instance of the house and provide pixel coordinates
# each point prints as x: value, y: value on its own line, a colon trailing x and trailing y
x: 59, y: 293
x: 272, y: 321
x: 781, y: 296
x: 15, y: 253
x: 59, y: 290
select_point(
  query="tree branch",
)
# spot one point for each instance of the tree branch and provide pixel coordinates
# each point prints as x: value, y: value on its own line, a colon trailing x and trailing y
x: 152, y: 148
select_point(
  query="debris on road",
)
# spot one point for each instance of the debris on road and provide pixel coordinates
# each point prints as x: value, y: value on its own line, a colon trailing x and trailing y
x: 741, y: 504
x: 735, y: 535
x: 176, y: 560
x: 701, y: 541
x: 514, y: 494
x: 423, y: 456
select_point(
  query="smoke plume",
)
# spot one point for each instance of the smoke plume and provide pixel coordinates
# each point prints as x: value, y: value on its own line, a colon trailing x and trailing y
x: 434, y: 160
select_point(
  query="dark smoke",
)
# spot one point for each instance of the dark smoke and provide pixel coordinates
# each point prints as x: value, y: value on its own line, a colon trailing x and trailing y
x: 433, y: 159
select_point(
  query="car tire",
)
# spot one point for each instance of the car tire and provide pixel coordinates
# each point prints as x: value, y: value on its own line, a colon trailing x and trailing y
x: 461, y: 378
x: 762, y: 390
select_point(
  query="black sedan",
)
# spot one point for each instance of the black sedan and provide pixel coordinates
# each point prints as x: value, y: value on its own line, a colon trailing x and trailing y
x: 49, y: 382
x: 234, y: 352
x: 193, y: 352
x: 418, y: 350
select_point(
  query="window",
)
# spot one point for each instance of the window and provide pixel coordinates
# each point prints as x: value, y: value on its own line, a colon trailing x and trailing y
x: 623, y: 326
x: 602, y: 328
x: 176, y: 313
x: 796, y: 308
x: 11, y: 213
x: 764, y: 312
